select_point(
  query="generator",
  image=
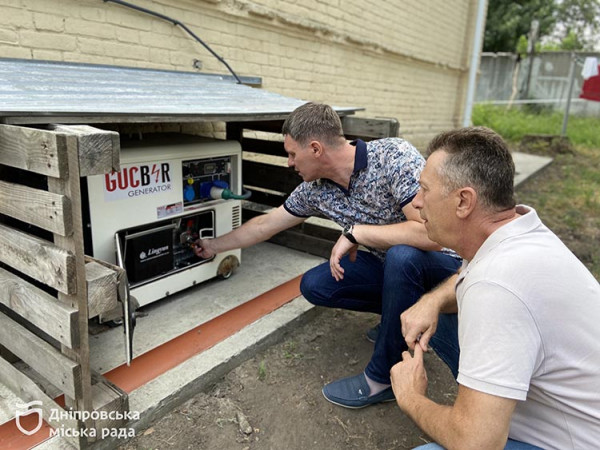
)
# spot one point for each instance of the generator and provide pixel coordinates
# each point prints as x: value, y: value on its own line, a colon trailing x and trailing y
x: 170, y: 191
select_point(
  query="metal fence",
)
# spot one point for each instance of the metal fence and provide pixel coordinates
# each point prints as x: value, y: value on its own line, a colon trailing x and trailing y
x: 503, y: 80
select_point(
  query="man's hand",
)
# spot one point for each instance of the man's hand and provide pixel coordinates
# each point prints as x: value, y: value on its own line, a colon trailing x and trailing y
x: 419, y: 322
x: 203, y: 248
x: 409, y: 377
x: 342, y: 247
x: 476, y: 420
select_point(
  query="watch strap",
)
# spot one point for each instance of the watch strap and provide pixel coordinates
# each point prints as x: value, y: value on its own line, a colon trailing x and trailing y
x: 347, y: 233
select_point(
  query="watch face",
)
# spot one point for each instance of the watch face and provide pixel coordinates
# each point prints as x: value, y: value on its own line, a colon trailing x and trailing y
x: 347, y: 233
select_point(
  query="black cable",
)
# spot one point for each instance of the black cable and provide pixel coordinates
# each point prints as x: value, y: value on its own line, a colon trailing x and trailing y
x: 177, y: 22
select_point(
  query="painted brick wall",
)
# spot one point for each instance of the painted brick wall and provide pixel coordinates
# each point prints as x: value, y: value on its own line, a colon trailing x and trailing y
x: 404, y: 59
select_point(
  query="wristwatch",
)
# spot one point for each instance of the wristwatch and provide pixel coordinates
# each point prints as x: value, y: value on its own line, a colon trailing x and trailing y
x: 347, y: 233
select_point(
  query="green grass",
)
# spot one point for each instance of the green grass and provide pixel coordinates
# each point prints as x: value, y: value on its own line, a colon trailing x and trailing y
x: 566, y: 194
x: 516, y: 122
x: 289, y: 351
x: 262, y: 370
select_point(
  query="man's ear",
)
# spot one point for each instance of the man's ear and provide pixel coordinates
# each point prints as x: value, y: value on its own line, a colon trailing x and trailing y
x: 467, y: 199
x: 316, y: 148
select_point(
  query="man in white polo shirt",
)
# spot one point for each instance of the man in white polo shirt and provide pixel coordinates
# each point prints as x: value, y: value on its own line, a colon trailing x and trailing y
x: 525, y: 342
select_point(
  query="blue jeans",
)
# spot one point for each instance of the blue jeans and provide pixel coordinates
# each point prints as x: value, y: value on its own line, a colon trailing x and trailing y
x: 386, y: 288
x: 445, y: 341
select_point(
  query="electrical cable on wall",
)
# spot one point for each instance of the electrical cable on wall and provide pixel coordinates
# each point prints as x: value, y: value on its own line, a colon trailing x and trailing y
x: 185, y: 28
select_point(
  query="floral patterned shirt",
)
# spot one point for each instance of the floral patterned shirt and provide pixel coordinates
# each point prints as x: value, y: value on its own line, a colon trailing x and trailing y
x: 385, y: 179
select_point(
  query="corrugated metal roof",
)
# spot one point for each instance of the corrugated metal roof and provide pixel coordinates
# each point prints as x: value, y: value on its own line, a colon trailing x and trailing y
x: 31, y: 91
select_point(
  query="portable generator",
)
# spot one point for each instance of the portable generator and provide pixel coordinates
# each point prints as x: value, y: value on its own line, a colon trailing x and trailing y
x: 170, y: 191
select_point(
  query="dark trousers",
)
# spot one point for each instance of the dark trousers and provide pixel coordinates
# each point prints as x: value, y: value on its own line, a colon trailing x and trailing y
x: 387, y: 288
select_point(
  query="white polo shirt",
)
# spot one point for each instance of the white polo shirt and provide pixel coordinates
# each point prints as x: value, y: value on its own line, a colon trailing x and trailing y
x: 529, y: 329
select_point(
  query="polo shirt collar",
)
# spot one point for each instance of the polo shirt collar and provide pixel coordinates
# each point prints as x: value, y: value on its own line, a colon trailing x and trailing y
x: 360, y: 162
x: 360, y: 157
x: 528, y: 221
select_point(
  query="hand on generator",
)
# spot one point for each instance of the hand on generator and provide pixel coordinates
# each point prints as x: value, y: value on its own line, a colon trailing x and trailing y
x: 202, y: 248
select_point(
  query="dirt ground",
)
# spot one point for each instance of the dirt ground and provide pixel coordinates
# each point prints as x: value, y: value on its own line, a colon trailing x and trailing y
x: 274, y: 400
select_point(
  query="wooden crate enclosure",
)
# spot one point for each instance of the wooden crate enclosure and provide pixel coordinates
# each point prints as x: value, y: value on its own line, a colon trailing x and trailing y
x: 44, y: 283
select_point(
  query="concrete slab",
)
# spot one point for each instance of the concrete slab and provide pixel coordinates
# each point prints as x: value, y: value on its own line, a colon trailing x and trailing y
x: 263, y: 267
x: 527, y: 165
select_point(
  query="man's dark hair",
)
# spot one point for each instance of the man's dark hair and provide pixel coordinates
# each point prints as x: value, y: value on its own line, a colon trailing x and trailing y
x: 314, y: 121
x: 477, y: 157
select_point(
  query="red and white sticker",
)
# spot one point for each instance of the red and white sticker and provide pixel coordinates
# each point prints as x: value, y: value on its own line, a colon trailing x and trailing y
x: 137, y: 181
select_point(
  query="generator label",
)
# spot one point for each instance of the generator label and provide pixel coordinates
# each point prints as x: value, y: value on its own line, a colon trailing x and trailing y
x: 169, y: 210
x: 154, y: 253
x: 138, y: 181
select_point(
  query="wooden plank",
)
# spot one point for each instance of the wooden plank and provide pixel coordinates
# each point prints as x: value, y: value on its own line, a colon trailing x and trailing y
x: 7, y: 355
x: 303, y: 242
x: 31, y: 149
x: 37, y: 258
x: 43, y: 209
x: 306, y: 237
x: 71, y: 188
x: 28, y: 391
x: 40, y: 356
x: 108, y: 397
x: 117, y: 311
x: 310, y: 229
x: 39, y: 308
x: 329, y: 234
x: 271, y: 126
x: 268, y: 176
x: 248, y: 214
x: 99, y: 150
x: 101, y: 287
x: 122, y: 282
x: 267, y: 198
x: 370, y: 128
x: 274, y: 148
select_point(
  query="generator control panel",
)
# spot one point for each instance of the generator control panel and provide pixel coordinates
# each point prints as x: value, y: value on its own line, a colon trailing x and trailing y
x: 201, y: 175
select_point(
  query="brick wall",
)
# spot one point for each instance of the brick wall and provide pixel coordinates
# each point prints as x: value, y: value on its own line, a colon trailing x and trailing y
x: 407, y: 60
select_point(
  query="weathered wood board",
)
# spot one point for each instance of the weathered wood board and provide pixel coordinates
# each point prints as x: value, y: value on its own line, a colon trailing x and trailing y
x: 40, y: 356
x: 41, y: 309
x: 102, y: 288
x: 38, y: 258
x: 43, y: 209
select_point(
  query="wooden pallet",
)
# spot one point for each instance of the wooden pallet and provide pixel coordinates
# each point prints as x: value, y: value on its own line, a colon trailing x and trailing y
x: 47, y: 291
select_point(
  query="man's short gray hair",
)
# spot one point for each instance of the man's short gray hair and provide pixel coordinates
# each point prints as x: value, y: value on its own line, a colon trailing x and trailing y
x: 314, y: 121
x: 478, y: 157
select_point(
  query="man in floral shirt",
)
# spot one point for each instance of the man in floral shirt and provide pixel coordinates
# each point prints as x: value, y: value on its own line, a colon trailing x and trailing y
x: 367, y: 189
